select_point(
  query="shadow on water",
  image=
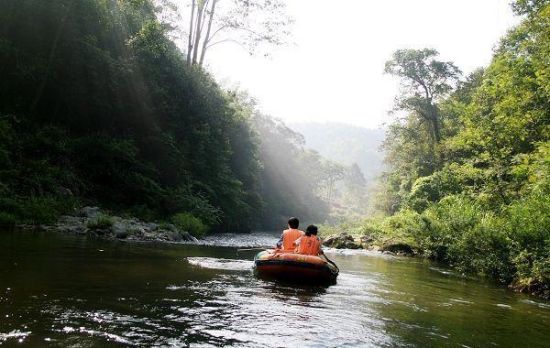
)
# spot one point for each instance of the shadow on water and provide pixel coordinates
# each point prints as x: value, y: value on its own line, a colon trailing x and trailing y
x: 63, y: 291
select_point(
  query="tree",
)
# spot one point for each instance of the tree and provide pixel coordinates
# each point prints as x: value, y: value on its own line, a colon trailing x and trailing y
x: 355, y: 186
x: 244, y: 22
x: 332, y: 173
x: 528, y: 7
x: 425, y: 81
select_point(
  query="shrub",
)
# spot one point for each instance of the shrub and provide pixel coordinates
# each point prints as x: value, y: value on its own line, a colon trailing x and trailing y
x: 7, y: 220
x: 442, y: 226
x: 37, y: 210
x: 102, y: 222
x: 530, y: 237
x: 188, y: 222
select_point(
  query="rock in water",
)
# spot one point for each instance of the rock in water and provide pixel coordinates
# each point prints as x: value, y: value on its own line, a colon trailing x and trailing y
x: 342, y: 241
x: 398, y: 248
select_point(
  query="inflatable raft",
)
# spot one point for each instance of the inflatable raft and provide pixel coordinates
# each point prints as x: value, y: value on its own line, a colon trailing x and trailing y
x: 296, y: 268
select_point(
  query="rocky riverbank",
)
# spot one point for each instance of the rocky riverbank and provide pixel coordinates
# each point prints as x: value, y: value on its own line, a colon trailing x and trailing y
x: 347, y: 241
x: 93, y: 221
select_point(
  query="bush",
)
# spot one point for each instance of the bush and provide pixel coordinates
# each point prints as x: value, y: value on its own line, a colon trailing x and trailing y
x: 530, y: 238
x: 38, y: 210
x: 7, y: 220
x: 102, y: 222
x: 188, y: 222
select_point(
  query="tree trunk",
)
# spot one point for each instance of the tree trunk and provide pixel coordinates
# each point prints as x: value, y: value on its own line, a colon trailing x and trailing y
x: 200, y: 10
x: 435, y: 123
x: 190, y: 40
x: 207, y: 36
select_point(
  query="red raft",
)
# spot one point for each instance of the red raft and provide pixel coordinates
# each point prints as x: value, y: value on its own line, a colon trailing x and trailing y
x: 296, y: 268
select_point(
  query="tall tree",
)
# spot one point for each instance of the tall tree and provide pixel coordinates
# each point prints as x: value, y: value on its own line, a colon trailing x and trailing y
x: 332, y: 173
x: 246, y: 23
x: 425, y: 80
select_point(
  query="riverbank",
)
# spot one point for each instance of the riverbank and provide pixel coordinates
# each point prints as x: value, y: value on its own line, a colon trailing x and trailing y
x: 92, y: 221
x: 505, y: 248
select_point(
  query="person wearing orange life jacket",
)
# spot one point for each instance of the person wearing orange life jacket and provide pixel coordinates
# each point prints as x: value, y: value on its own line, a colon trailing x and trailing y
x: 309, y: 244
x: 289, y: 236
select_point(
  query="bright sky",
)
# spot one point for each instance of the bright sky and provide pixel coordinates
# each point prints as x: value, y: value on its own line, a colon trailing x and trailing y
x: 334, y: 69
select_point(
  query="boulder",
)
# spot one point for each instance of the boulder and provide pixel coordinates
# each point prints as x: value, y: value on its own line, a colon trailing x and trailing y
x: 374, y: 248
x: 342, y: 241
x: 121, y: 234
x: 173, y: 236
x: 187, y: 237
x: 398, y: 248
x: 85, y: 222
x: 90, y: 212
x: 121, y: 229
x: 366, y: 241
x: 71, y: 224
x: 102, y: 231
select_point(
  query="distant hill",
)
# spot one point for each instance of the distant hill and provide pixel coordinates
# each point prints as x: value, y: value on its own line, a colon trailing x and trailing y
x: 346, y: 144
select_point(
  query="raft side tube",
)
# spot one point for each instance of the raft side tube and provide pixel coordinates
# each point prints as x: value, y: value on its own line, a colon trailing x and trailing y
x: 304, y: 269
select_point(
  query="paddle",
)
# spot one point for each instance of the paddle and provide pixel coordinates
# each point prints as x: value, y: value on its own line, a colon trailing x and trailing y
x: 331, y: 262
x: 251, y: 249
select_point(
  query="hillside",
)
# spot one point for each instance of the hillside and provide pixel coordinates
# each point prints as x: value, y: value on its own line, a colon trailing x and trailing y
x: 346, y: 144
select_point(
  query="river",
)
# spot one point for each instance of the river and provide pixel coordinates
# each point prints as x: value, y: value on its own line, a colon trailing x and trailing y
x: 65, y: 291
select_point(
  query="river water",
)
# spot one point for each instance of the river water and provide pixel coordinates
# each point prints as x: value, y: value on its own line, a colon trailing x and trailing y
x: 66, y: 291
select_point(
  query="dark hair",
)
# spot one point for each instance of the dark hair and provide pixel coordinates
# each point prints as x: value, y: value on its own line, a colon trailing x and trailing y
x: 293, y: 222
x: 311, y: 230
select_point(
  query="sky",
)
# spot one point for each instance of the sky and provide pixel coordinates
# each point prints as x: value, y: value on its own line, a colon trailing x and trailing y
x: 333, y: 70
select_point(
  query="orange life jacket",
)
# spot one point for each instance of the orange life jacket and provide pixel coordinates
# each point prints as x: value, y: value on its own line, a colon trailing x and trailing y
x: 289, y: 237
x: 309, y: 245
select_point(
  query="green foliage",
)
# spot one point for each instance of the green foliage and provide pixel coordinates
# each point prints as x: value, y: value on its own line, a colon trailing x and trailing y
x: 35, y: 209
x: 529, y: 232
x: 529, y: 6
x: 7, y: 220
x: 102, y: 222
x: 97, y: 103
x: 189, y: 223
x: 481, y: 195
x: 42, y: 209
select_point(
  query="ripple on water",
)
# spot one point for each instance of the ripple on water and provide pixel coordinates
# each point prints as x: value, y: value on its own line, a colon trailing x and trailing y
x: 17, y: 335
x: 244, y: 311
x: 461, y: 301
x: 221, y: 264
x: 538, y: 304
x: 236, y: 240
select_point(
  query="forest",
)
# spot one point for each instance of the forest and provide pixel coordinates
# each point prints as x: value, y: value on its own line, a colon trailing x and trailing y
x: 99, y: 106
x: 469, y: 159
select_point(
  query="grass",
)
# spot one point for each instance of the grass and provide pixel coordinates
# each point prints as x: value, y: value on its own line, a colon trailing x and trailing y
x: 189, y: 223
x: 102, y: 222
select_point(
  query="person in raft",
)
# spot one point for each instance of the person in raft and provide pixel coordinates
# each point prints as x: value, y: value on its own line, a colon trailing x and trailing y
x: 309, y: 244
x: 289, y: 236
